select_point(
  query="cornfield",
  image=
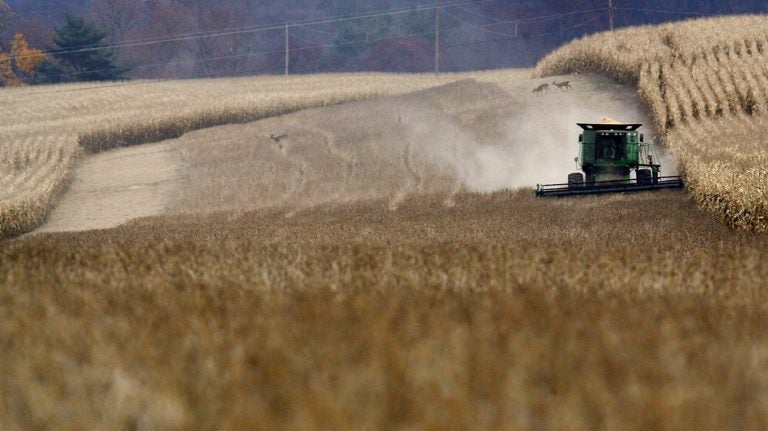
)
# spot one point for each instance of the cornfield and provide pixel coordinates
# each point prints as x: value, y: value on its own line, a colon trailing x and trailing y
x: 501, y: 312
x: 705, y: 85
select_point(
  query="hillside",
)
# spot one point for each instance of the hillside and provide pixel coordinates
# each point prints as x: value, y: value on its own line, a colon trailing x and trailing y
x: 469, y: 135
x: 46, y: 129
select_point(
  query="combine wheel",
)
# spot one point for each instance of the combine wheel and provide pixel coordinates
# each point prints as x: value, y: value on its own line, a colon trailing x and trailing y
x: 644, y: 176
x: 575, y: 179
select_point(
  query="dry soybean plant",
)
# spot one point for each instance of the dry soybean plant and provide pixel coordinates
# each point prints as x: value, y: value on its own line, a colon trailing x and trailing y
x: 705, y: 85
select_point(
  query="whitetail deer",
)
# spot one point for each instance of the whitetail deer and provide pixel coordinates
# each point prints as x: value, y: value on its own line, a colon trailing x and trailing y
x: 561, y: 85
x: 277, y: 138
x: 541, y: 88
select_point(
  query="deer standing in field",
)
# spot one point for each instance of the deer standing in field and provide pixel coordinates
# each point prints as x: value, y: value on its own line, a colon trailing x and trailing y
x: 276, y: 139
x: 541, y: 89
x: 561, y: 85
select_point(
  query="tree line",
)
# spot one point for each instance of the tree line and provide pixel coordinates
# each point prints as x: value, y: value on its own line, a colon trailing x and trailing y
x: 79, y: 53
x: 44, y: 41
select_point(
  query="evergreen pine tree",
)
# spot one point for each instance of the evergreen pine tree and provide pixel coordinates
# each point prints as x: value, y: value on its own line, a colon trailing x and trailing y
x: 82, y: 55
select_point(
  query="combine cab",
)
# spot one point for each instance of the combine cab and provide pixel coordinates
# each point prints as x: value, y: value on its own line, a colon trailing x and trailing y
x: 609, y: 153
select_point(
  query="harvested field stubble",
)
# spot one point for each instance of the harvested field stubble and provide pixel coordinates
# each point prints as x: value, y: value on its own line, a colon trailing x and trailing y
x: 467, y: 135
x: 43, y: 127
x: 697, y: 75
x: 501, y: 312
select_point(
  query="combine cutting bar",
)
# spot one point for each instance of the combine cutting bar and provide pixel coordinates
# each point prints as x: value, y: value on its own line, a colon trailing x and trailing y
x: 607, y: 187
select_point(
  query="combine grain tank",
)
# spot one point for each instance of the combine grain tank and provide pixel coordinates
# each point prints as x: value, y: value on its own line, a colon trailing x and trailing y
x: 613, y: 157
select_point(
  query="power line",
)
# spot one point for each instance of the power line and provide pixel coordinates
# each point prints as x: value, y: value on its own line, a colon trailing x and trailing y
x: 400, y: 12
x: 469, y: 25
x: 327, y: 33
x: 226, y: 29
x: 302, y: 24
x: 526, y: 21
x: 252, y: 54
x: 561, y: 31
x: 500, y: 39
x: 540, y: 18
x: 155, y: 42
x: 124, y: 84
x: 479, y: 15
x: 679, y: 12
x: 247, y: 30
x: 112, y: 85
x: 230, y: 57
x: 496, y: 22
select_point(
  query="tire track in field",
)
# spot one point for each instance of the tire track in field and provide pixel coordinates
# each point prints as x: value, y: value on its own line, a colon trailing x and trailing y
x: 450, y: 201
x: 299, y: 185
x: 348, y: 159
x: 414, y: 185
x: 346, y: 166
x: 407, y: 157
x: 281, y: 148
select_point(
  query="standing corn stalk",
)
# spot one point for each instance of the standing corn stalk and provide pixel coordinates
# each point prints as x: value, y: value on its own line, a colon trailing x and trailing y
x: 727, y: 175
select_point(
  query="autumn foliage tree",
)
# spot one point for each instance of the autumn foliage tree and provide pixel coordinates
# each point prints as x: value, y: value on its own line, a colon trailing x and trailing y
x: 27, y: 59
x: 20, y: 67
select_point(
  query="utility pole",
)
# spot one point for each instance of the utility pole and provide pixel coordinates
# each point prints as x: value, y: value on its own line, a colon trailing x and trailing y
x: 287, y: 50
x: 610, y: 14
x: 437, y: 38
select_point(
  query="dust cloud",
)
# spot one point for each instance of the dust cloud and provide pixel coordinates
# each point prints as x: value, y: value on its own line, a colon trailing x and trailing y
x: 468, y: 135
x: 531, y: 139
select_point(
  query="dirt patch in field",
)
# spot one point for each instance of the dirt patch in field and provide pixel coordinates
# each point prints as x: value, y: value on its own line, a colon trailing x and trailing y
x: 111, y: 188
x: 466, y: 136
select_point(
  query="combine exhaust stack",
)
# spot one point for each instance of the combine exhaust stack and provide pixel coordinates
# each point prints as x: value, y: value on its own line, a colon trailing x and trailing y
x: 609, y: 152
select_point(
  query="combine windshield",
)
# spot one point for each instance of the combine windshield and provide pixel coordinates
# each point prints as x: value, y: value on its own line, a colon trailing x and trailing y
x: 610, y: 147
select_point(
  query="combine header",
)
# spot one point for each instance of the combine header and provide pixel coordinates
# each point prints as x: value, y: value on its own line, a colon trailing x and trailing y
x: 609, y: 152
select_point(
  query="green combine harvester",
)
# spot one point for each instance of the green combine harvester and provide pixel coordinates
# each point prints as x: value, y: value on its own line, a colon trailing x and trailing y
x: 609, y: 152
